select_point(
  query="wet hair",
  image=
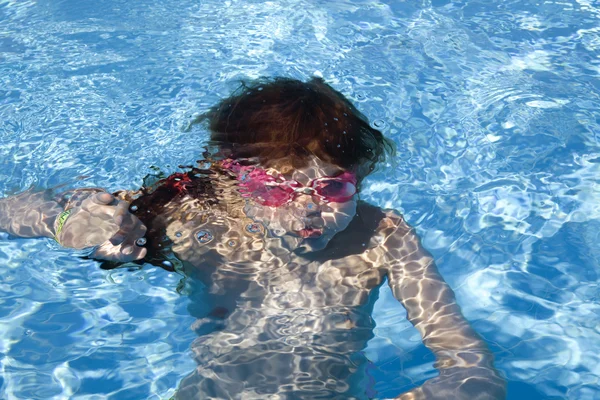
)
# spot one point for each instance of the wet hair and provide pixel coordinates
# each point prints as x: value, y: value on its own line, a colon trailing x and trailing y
x: 275, y: 118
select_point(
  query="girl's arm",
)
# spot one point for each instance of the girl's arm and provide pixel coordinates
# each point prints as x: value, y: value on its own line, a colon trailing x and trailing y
x: 29, y: 214
x: 464, y: 362
x: 79, y: 219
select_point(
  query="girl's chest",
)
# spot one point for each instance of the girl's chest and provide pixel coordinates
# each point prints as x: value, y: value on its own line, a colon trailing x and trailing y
x: 239, y: 256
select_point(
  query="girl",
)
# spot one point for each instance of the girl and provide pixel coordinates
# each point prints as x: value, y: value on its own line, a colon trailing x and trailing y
x: 279, y: 252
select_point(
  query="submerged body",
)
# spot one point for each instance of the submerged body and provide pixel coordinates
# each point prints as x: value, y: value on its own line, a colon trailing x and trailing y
x: 284, y: 312
x: 278, y: 322
x: 280, y: 313
x: 280, y: 258
x: 288, y: 314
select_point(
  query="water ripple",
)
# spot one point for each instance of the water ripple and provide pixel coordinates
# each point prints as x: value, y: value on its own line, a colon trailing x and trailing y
x: 493, y: 107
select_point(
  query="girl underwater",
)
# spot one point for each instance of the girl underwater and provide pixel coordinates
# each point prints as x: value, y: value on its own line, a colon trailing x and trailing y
x: 280, y: 255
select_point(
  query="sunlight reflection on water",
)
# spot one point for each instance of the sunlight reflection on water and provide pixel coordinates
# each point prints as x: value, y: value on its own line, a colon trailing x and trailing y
x: 492, y: 105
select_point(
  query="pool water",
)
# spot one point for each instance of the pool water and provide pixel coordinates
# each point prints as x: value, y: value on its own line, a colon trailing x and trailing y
x: 493, y: 106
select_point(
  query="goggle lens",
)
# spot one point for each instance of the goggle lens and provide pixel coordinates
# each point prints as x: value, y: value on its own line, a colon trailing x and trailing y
x: 335, y: 190
x: 273, y: 196
x: 275, y: 192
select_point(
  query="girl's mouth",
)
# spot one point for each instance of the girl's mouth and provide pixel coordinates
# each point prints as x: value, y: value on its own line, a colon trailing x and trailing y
x: 310, y: 232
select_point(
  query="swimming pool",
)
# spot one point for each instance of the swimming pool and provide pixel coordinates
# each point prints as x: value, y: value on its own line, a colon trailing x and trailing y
x: 493, y: 106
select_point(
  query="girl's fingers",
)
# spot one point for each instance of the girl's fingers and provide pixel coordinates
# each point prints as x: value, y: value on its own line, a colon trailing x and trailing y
x: 133, y: 238
x: 118, y: 237
x: 122, y: 245
x: 137, y: 254
x: 141, y: 254
x: 113, y: 253
x: 128, y: 238
x: 127, y: 235
x: 121, y: 211
x: 104, y: 198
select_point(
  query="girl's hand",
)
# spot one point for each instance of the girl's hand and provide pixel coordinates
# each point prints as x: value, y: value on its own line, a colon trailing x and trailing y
x: 100, y: 220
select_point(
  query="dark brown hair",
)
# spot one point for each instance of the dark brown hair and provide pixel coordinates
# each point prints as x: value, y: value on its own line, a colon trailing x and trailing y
x: 272, y: 118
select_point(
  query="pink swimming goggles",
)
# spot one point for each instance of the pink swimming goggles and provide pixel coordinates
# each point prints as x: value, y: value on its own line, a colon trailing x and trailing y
x: 276, y: 191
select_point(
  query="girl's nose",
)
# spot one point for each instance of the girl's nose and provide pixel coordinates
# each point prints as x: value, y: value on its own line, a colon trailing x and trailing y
x: 317, y: 222
x: 313, y: 214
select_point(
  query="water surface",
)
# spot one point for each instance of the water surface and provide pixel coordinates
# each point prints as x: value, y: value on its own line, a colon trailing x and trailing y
x: 493, y: 107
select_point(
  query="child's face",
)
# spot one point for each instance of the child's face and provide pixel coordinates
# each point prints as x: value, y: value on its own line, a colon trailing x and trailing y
x: 307, y: 207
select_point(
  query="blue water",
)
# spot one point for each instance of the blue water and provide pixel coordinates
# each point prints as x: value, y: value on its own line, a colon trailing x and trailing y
x: 493, y: 106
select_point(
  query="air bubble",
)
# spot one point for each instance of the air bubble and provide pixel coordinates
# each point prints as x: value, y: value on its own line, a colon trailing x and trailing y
x: 178, y: 234
x: 345, y: 30
x: 167, y: 264
x: 253, y: 228
x: 378, y: 123
x: 140, y: 242
x: 339, y: 145
x: 204, y: 236
x: 133, y: 208
x: 231, y: 243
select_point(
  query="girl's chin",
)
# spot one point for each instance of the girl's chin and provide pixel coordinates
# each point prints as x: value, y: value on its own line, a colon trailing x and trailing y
x: 310, y: 233
x: 312, y: 243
